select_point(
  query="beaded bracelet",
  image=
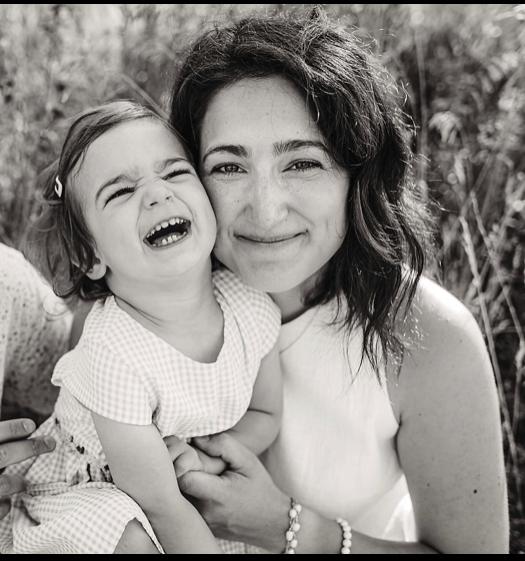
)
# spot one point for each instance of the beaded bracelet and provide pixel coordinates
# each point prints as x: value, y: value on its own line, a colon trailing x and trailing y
x: 293, y: 527
x: 346, y: 543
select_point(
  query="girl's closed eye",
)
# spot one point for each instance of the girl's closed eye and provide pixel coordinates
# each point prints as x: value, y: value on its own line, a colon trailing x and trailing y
x: 118, y: 193
x: 176, y: 173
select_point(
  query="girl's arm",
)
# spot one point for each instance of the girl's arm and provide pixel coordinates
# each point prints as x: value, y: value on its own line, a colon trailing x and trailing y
x: 142, y: 468
x: 259, y: 426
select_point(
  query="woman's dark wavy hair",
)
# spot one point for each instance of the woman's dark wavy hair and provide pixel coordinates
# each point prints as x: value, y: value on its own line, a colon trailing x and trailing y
x: 374, y: 275
x: 60, y: 242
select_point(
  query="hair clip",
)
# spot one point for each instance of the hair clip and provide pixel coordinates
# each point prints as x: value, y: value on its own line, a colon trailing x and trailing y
x: 59, y: 188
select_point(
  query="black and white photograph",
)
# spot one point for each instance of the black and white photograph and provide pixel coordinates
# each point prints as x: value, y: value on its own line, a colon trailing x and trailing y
x: 262, y: 278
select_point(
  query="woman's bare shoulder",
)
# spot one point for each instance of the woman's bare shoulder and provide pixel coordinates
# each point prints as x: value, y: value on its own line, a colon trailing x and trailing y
x: 445, y: 352
x: 437, y: 313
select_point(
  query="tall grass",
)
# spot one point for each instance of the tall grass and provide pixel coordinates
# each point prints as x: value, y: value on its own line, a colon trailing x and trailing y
x: 461, y: 66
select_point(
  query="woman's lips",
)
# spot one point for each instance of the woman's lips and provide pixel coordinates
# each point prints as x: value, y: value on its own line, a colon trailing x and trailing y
x: 268, y: 240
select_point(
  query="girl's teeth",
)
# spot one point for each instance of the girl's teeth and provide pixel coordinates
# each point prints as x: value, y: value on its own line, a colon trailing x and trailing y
x: 165, y: 224
x: 173, y: 221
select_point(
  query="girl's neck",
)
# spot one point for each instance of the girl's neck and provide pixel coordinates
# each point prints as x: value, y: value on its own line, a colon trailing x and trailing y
x: 183, y: 312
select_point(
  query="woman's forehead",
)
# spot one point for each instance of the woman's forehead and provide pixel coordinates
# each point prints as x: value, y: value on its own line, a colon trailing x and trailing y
x: 258, y: 110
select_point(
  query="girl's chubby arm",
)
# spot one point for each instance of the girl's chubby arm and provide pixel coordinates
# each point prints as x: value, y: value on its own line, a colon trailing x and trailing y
x: 141, y: 467
x: 259, y: 426
x: 449, y: 440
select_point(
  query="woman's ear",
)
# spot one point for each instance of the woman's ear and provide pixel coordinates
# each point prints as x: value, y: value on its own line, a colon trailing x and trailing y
x: 98, y: 270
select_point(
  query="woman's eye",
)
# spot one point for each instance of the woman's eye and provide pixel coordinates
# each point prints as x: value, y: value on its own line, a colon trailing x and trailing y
x: 227, y: 169
x: 305, y: 165
x: 120, y: 192
x: 176, y: 173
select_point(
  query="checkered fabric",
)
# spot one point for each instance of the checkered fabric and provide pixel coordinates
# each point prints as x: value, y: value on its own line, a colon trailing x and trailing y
x: 124, y: 372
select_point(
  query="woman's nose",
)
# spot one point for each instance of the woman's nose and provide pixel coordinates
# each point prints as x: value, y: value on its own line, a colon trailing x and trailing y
x: 156, y: 192
x: 268, y: 201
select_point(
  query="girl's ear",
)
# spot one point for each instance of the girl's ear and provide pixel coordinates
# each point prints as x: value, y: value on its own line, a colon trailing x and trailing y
x: 97, y: 271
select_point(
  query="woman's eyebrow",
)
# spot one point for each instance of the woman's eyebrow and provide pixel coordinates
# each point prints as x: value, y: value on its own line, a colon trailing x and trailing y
x: 296, y: 144
x: 235, y: 149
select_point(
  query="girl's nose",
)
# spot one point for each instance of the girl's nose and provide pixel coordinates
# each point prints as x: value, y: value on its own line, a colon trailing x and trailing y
x: 156, y: 193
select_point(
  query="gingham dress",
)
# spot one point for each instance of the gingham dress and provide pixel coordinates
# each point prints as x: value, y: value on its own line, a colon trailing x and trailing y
x: 124, y: 372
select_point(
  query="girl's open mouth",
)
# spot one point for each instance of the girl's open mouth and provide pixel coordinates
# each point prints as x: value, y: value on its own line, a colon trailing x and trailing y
x: 168, y: 232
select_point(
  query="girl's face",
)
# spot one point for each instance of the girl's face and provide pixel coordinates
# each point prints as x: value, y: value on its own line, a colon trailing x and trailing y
x: 144, y: 206
x: 278, y: 197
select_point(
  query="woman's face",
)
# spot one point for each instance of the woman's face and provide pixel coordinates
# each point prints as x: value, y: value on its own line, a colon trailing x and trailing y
x: 278, y: 196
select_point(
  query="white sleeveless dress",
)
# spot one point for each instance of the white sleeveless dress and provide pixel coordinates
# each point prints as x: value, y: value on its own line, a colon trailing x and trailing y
x: 336, y: 449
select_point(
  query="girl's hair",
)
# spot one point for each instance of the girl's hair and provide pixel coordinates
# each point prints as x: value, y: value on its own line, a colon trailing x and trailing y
x: 60, y: 241
x: 374, y: 274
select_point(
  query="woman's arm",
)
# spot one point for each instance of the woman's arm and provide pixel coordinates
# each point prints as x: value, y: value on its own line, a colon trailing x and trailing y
x: 243, y: 503
x: 259, y: 426
x: 148, y: 477
x: 449, y: 441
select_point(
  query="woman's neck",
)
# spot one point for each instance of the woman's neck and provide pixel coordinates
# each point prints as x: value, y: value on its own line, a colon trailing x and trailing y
x: 292, y: 302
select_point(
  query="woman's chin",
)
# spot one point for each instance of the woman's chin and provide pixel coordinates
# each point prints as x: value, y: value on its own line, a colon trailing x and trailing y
x: 273, y: 280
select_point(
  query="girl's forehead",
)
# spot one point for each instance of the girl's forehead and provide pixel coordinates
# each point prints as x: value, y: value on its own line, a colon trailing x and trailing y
x: 138, y: 141
x: 132, y: 149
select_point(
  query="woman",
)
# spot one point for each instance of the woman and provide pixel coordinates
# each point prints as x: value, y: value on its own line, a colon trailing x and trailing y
x: 305, y: 158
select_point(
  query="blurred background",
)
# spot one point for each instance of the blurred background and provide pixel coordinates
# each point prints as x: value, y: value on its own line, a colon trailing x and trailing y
x: 461, y: 67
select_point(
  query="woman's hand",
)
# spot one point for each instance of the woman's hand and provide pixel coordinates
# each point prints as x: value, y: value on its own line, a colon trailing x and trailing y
x: 15, y: 447
x: 243, y: 503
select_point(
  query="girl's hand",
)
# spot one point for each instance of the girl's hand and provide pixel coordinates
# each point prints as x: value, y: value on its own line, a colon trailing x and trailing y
x: 187, y: 460
x: 210, y: 464
x: 16, y: 447
x: 243, y: 503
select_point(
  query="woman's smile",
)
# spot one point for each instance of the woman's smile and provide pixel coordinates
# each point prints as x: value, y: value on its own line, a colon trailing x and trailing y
x: 273, y: 240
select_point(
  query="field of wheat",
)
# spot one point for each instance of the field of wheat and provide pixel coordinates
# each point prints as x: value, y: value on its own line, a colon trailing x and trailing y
x: 465, y: 91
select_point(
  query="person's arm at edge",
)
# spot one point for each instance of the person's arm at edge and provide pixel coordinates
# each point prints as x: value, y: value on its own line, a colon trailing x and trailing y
x: 14, y: 448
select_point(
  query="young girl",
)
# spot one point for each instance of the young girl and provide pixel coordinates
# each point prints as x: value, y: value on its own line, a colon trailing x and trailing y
x: 167, y: 349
